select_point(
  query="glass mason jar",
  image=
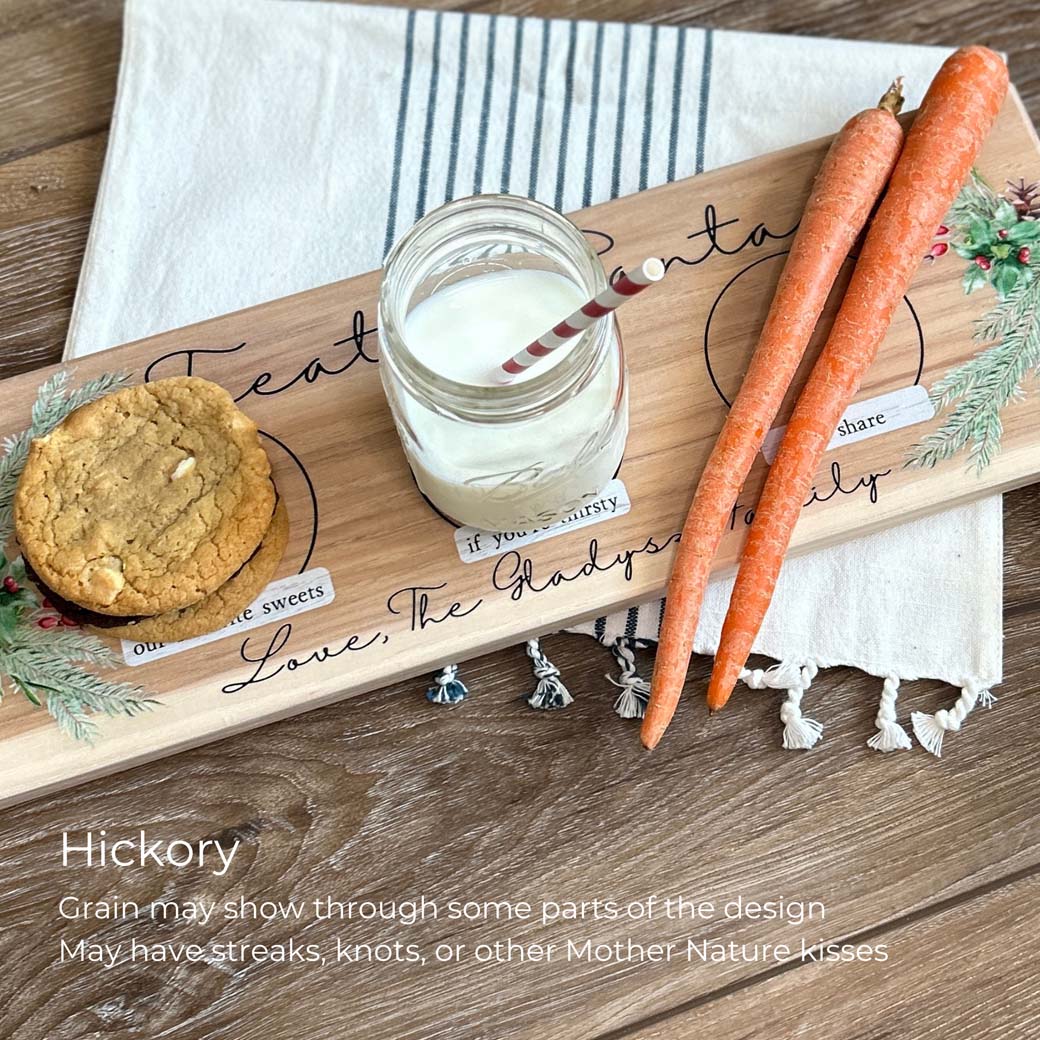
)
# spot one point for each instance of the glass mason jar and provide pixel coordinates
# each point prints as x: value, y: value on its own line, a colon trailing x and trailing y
x: 512, y: 457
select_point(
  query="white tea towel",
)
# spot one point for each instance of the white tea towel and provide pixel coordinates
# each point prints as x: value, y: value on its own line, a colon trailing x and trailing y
x: 261, y: 147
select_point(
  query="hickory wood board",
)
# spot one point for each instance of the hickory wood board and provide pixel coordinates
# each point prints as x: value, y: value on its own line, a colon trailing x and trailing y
x: 305, y: 368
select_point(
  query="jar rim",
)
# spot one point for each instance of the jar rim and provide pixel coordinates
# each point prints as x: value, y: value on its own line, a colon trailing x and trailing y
x: 510, y: 401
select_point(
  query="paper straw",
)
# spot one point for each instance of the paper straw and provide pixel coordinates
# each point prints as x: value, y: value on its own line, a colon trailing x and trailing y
x: 629, y: 284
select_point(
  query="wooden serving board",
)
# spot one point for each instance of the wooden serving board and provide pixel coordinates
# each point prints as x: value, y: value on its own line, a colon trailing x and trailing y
x: 384, y: 592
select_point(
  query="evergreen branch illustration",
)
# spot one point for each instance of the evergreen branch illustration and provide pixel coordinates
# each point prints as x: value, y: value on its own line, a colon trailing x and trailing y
x: 976, y: 200
x: 39, y: 671
x: 987, y: 383
x: 53, y: 404
x: 76, y: 646
x: 983, y: 221
x: 41, y: 655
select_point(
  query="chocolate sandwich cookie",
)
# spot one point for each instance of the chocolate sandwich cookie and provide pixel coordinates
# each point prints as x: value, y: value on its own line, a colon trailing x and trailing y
x: 145, y: 501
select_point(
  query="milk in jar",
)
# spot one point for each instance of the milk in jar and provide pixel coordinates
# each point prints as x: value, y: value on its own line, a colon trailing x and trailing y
x: 471, y: 284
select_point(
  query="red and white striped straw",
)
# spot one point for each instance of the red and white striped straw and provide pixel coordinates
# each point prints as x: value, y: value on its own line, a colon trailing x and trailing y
x: 630, y: 284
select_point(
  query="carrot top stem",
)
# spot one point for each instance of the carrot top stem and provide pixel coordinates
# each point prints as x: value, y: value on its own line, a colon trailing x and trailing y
x: 892, y: 99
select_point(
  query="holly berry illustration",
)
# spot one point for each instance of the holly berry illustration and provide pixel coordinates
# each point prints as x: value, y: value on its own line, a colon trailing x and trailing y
x: 1024, y: 254
x: 10, y: 585
x: 941, y: 230
x: 1003, y: 233
x: 48, y: 622
x: 937, y: 250
x: 68, y: 622
x: 983, y: 263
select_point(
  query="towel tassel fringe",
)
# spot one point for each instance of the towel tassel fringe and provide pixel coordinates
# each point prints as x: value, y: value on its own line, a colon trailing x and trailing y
x: 800, y: 733
x: 447, y: 687
x: 549, y: 694
x: 890, y: 735
x: 631, y: 702
x: 930, y: 729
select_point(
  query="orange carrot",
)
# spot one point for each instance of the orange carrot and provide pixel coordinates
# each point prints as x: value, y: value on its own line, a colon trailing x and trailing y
x: 953, y: 121
x: 852, y: 176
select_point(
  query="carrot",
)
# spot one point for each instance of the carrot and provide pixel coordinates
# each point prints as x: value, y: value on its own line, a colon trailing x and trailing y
x: 852, y: 176
x: 955, y: 116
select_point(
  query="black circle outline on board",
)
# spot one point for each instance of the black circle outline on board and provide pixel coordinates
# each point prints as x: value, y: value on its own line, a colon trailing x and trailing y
x: 310, y: 487
x: 772, y: 256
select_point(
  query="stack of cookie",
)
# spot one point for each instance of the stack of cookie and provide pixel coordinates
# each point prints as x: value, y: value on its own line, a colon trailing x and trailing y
x: 150, y: 514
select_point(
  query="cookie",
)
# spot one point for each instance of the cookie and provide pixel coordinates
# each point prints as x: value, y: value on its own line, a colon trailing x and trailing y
x: 220, y: 607
x: 147, y: 500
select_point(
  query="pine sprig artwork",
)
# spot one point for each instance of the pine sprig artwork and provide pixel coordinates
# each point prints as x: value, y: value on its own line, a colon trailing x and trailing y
x: 54, y: 401
x: 999, y: 234
x: 44, y: 656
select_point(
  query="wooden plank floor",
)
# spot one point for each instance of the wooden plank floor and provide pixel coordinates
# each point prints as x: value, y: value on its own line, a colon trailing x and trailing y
x: 386, y: 797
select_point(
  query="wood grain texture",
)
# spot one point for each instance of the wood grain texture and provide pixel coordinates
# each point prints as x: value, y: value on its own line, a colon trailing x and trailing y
x: 45, y: 205
x: 58, y: 66
x: 966, y: 971
x: 568, y: 808
x: 387, y: 797
x: 370, y: 633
